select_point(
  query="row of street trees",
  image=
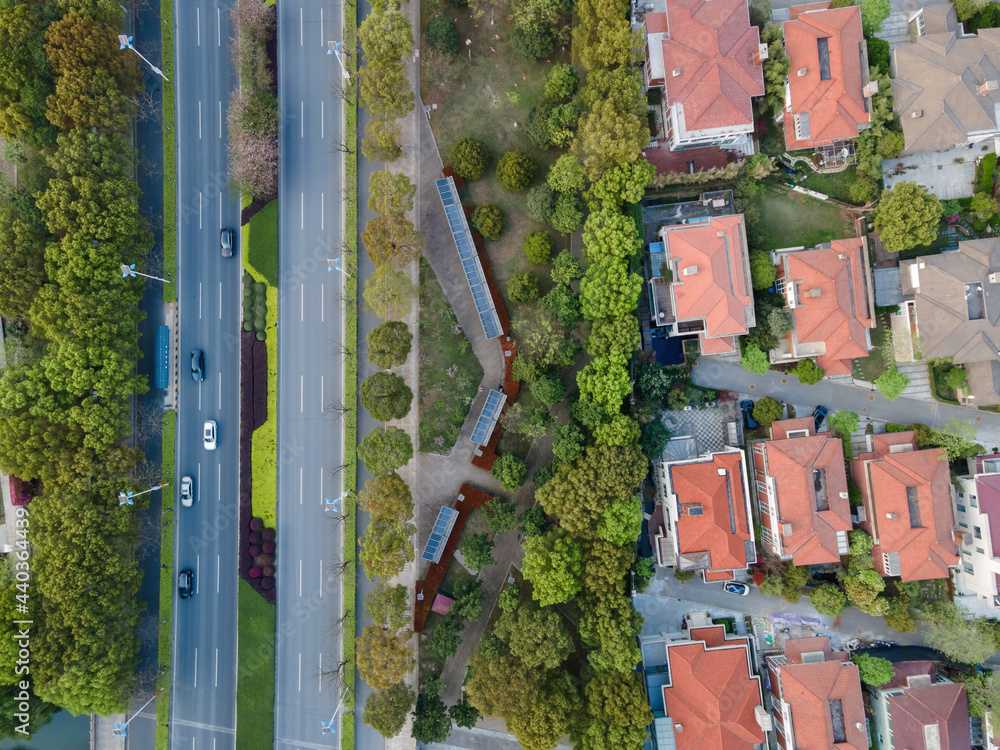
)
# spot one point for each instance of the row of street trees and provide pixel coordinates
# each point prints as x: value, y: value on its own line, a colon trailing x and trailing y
x: 386, y: 92
x: 67, y: 96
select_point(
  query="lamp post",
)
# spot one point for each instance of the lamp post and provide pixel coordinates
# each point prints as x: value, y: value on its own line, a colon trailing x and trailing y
x: 328, y: 726
x: 126, y: 498
x: 334, y: 48
x: 119, y: 730
x: 129, y: 271
x: 126, y: 41
x: 334, y: 265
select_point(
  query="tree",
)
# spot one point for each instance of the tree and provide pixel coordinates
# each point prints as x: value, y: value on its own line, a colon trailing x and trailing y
x: 845, y: 422
x: 898, y: 615
x: 390, y: 193
x: 617, y: 713
x: 892, y: 383
x: 386, y: 710
x: 383, y: 657
x: 541, y: 203
x: 767, y: 410
x: 776, y: 66
x: 613, y: 335
x: 609, y: 290
x: 477, y: 552
x: 538, y: 247
x: 386, y: 396
x: 762, y: 270
x: 501, y: 515
x: 381, y: 141
x: 386, y: 41
x: 907, y: 216
x: 430, y: 719
x: 442, y: 35
x: 808, y: 372
x: 537, y: 636
x: 601, y: 35
x: 464, y: 714
x: 510, y: 598
x: 385, y: 450
x: 873, y: 13
x: 388, y: 497
x: 503, y: 686
x: 509, y: 470
x: 625, y: 183
x: 386, y: 547
x: 755, y: 360
x: 605, y: 381
x: 779, y: 322
x: 983, y: 206
x: 619, y: 431
x: 533, y: 522
x: 523, y: 287
x: 469, y: 158
x: 946, y: 629
x: 567, y: 214
x: 561, y: 82
x: 554, y: 565
x: 515, y: 171
x: 446, y: 637
x: 533, y: 42
x: 40, y: 713
x: 827, y: 599
x: 567, y: 174
x: 563, y: 304
x: 874, y: 670
x: 654, y: 439
x: 550, y: 716
x: 549, y: 389
x: 614, y: 126
x: 387, y: 607
x: 388, y: 291
x: 392, y: 240
x: 983, y: 691
x: 529, y: 419
x: 389, y: 344
x: 609, y: 232
x: 489, y: 221
x: 621, y: 522
x: 954, y: 377
x: 468, y: 598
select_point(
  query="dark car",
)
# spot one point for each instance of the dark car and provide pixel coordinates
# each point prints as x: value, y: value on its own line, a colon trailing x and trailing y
x: 747, y: 407
x: 226, y: 239
x: 819, y: 414
x: 197, y: 365
x: 185, y: 583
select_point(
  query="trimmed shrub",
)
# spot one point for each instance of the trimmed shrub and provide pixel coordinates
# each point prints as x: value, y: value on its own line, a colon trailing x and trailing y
x: 267, y: 583
x: 267, y: 547
x: 538, y: 247
x: 489, y: 221
x: 255, y: 537
x: 256, y: 524
x: 269, y: 571
x: 469, y: 159
x: 541, y: 203
x: 523, y: 287
x: 255, y: 550
x: 268, y: 535
x: 254, y: 572
x: 442, y: 35
x: 515, y: 171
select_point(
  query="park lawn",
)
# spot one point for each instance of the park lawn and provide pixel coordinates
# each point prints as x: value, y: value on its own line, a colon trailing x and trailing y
x: 794, y: 220
x: 450, y: 373
x: 255, y: 671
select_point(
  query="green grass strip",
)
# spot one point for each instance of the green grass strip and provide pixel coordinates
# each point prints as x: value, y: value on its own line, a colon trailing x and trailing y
x: 166, y: 584
x: 255, y: 671
x: 347, y: 741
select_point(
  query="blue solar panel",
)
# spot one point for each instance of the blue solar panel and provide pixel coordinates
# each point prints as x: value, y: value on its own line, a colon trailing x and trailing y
x: 439, y: 534
x: 488, y: 419
x: 469, y: 257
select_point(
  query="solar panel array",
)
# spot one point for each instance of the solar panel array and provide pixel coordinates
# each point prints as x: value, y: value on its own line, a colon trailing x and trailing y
x: 439, y: 534
x: 469, y: 257
x: 488, y: 419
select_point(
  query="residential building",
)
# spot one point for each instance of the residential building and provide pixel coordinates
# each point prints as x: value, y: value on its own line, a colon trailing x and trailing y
x: 954, y: 302
x: 801, y: 487
x: 977, y: 514
x: 706, y: 57
x: 919, y: 709
x: 816, y: 697
x: 707, y: 524
x: 828, y: 290
x: 700, y: 281
x: 945, y: 84
x: 907, y: 506
x: 703, y: 691
x: 828, y: 95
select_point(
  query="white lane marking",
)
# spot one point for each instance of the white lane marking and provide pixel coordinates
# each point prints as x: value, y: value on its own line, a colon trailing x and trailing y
x: 301, y: 43
x: 199, y: 194
x: 199, y: 300
x: 216, y: 667
x: 220, y: 129
x: 302, y: 392
x: 321, y: 37
x: 302, y: 303
x: 320, y: 580
x: 198, y: 20
x: 300, y: 584
x: 300, y: 485
x: 322, y: 408
x: 322, y: 303
x: 300, y: 671
x: 199, y: 482
x: 195, y: 673
x: 220, y: 195
x: 322, y: 119
x: 218, y: 21
x: 199, y: 119
x: 218, y: 575
x: 321, y: 497
x: 199, y: 395
x: 218, y: 497
x: 197, y: 573
x: 220, y: 318
x: 302, y: 119
x: 322, y: 211
x: 320, y: 680
x: 220, y: 396
x: 302, y: 210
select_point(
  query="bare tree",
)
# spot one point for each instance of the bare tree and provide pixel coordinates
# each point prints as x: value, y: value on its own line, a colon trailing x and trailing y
x: 147, y: 106
x: 338, y: 408
x: 342, y: 349
x: 150, y: 533
x: 342, y: 147
x: 148, y: 422
x: 339, y: 568
x: 337, y: 625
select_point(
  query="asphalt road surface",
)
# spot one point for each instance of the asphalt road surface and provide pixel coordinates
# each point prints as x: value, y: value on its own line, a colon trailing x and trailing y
x: 310, y: 377
x: 203, y: 705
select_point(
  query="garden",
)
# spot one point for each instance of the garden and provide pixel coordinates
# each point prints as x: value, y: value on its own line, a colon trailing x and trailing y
x: 789, y: 219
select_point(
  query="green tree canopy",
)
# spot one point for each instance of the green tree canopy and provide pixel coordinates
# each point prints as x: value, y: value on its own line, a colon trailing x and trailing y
x: 567, y: 174
x: 845, y: 422
x: 388, y: 607
x: 768, y: 410
x: 515, y: 171
x: 501, y: 515
x: 907, y: 216
x: 489, y: 221
x: 828, y: 600
x: 755, y: 360
x: 386, y: 710
x: 469, y: 158
x: 892, y: 383
x: 384, y: 451
x: 509, y: 470
x: 386, y: 396
x: 383, y: 657
x: 386, y: 547
x: 389, y: 344
x: 874, y: 670
x: 554, y: 565
x: 477, y: 551
x: 808, y: 372
x: 538, y: 636
x: 617, y: 713
x: 388, y: 496
x: 946, y: 629
x: 538, y: 247
x: 762, y: 270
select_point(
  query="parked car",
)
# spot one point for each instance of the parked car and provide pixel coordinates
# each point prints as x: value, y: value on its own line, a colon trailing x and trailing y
x: 819, y: 414
x: 226, y: 240
x: 187, y: 491
x: 747, y: 407
x: 735, y: 587
x: 197, y: 365
x: 185, y: 583
x: 210, y: 435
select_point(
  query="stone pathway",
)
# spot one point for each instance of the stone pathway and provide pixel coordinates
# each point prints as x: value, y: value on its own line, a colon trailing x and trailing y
x: 920, y: 382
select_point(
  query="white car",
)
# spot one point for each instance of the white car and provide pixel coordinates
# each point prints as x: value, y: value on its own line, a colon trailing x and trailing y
x: 210, y: 435
x: 735, y: 587
x: 187, y: 491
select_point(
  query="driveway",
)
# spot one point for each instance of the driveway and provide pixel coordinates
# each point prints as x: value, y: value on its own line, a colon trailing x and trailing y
x: 940, y: 172
x: 920, y: 380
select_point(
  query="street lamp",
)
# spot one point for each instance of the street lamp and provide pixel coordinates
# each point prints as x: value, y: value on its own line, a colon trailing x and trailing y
x: 129, y: 271
x: 125, y: 498
x: 334, y: 265
x: 334, y: 48
x: 126, y: 41
x: 328, y: 726
x: 119, y: 730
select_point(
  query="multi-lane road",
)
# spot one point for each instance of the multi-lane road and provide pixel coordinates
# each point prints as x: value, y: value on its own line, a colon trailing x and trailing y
x: 310, y: 376
x: 203, y: 705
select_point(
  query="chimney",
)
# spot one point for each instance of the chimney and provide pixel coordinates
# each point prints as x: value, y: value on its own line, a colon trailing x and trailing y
x: 985, y: 88
x: 676, y: 72
x: 801, y: 72
x: 916, y: 113
x: 786, y: 529
x: 678, y: 727
x: 721, y: 472
x: 815, y: 292
x: 760, y: 55
x: 871, y: 88
x: 891, y: 516
x: 721, y: 233
x: 844, y: 495
x: 689, y: 271
x: 763, y: 718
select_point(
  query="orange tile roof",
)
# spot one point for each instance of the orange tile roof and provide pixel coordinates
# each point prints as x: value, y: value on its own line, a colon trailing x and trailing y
x: 839, y: 315
x: 791, y: 462
x: 718, y: 292
x: 712, y: 44
x: 712, y: 694
x: 808, y: 690
x: 835, y: 106
x: 925, y: 551
x: 724, y: 506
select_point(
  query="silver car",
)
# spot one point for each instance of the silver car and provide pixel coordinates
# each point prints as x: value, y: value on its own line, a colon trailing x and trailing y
x: 187, y: 491
x: 210, y: 435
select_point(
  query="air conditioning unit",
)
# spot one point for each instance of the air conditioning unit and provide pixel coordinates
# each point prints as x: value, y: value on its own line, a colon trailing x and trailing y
x: 720, y: 233
x: 676, y: 72
x: 801, y: 72
x: 786, y: 529
x: 760, y: 55
x: 689, y: 271
x: 844, y: 495
x: 995, y: 278
x: 871, y: 89
x: 815, y: 292
x: 985, y: 88
x: 916, y: 113
x: 891, y: 516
